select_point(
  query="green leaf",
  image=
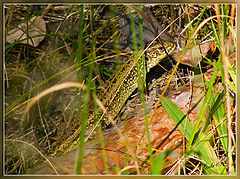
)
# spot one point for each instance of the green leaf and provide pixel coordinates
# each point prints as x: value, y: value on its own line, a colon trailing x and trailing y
x: 117, y: 170
x: 202, y: 146
x: 178, y: 117
x: 158, y: 164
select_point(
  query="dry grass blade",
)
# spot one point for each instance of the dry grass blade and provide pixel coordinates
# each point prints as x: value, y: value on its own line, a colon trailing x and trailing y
x: 48, y: 91
x: 226, y: 77
x: 48, y: 161
x: 106, y: 127
x: 208, y: 19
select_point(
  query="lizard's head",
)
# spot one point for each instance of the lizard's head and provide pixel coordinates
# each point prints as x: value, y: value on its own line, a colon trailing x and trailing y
x: 155, y: 53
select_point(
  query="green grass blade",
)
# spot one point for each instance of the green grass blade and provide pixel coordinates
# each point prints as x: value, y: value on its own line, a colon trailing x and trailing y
x: 85, y: 110
x: 158, y: 164
x: 220, y: 117
x: 203, y: 148
x: 140, y: 82
x: 178, y: 117
x: 84, y: 124
x: 80, y: 74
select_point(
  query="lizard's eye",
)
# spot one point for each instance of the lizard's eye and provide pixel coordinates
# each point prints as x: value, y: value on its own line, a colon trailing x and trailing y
x: 161, y: 48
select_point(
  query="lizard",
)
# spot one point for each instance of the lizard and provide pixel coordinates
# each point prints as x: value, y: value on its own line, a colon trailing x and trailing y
x: 119, y: 88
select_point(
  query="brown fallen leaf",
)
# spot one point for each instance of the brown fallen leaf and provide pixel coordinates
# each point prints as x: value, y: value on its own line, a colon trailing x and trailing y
x: 122, y: 151
x: 37, y: 26
x: 195, y: 54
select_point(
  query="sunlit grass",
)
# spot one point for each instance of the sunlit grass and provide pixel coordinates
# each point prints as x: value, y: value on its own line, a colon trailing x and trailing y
x: 204, y: 139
